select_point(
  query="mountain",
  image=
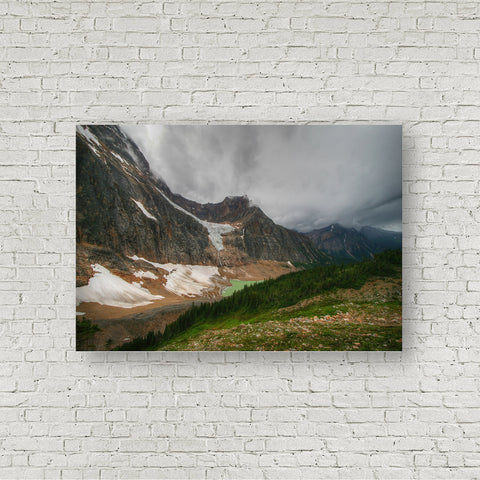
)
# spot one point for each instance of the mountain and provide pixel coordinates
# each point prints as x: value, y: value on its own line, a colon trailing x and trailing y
x: 342, y: 242
x: 124, y: 210
x: 256, y: 234
x: 383, y: 239
x: 349, y: 243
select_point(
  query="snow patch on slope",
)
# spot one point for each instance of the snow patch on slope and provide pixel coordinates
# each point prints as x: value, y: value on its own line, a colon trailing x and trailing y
x: 106, y: 288
x: 116, y: 155
x: 144, y: 210
x: 91, y: 139
x: 215, y: 230
x: 145, y: 274
x: 187, y: 280
x: 88, y: 134
x: 190, y: 280
x: 135, y: 258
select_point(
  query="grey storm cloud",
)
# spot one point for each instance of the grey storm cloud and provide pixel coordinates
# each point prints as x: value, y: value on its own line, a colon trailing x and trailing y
x: 303, y: 177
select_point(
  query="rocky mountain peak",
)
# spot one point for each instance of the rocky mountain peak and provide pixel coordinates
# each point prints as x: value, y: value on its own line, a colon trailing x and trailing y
x: 109, y: 142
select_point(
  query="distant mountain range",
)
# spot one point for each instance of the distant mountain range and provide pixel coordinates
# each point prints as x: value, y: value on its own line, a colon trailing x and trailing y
x: 352, y: 244
x: 383, y: 239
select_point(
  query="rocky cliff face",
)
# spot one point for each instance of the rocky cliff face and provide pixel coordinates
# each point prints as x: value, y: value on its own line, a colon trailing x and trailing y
x: 348, y: 243
x: 118, y: 206
x: 124, y: 209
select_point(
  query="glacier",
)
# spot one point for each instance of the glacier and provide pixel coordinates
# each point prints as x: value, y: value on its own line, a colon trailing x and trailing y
x: 215, y: 230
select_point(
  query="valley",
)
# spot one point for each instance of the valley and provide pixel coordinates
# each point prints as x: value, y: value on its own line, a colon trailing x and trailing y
x: 353, y: 307
x: 142, y: 296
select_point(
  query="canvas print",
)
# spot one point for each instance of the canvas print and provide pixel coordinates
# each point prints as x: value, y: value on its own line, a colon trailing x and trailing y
x: 216, y: 237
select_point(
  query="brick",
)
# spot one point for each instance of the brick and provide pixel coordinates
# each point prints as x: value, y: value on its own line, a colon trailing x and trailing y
x: 303, y: 415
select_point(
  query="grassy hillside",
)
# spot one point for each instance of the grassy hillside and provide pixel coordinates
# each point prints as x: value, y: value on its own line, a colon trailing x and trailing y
x: 327, y: 323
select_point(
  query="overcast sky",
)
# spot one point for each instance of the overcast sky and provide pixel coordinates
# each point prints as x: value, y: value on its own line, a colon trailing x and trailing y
x: 303, y: 177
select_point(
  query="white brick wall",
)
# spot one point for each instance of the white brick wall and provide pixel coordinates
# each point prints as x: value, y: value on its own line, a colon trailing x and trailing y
x: 240, y: 415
